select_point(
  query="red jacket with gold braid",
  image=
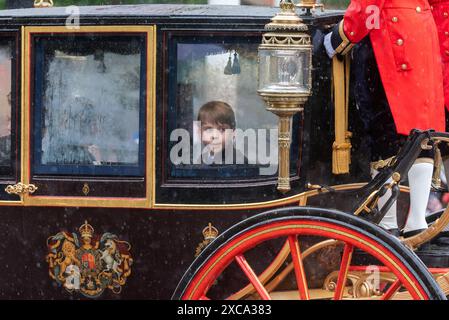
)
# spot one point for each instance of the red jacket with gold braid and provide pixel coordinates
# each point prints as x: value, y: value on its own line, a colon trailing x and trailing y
x: 405, y: 42
x: 440, y: 10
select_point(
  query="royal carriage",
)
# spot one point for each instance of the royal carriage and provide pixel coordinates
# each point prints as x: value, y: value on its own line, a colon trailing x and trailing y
x: 100, y: 110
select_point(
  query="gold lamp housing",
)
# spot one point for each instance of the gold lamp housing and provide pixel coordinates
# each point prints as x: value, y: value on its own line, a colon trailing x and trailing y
x: 285, y: 77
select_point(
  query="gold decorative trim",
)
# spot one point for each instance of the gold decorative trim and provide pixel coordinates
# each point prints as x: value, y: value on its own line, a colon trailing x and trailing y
x: 286, y: 39
x: 341, y: 31
x: 300, y: 199
x: 346, y: 44
x: 287, y: 5
x: 310, y: 4
x: 369, y: 203
x: 313, y: 186
x: 372, y: 200
x: 286, y: 19
x: 383, y: 163
x: 86, y: 189
x: 348, y: 48
x: 21, y: 189
x: 11, y: 203
x: 233, y: 206
x: 210, y: 233
x: 117, y: 202
x: 361, y: 284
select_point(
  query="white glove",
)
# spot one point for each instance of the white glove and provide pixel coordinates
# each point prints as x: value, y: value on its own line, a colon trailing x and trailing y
x: 328, y: 45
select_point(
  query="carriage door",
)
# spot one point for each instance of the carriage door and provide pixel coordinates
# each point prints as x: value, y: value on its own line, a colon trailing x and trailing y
x: 10, y: 188
x: 88, y: 99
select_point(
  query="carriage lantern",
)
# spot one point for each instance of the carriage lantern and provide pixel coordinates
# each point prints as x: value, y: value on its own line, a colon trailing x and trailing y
x: 285, y: 78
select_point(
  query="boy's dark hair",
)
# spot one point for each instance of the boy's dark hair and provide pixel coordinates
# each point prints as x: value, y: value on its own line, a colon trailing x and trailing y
x: 217, y: 112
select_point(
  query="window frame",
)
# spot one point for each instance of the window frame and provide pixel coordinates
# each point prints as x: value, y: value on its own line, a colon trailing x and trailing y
x: 142, y: 185
x: 13, y: 174
x: 171, y: 39
x: 196, y: 194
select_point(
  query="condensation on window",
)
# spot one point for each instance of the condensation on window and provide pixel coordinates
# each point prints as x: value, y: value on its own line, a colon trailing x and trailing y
x: 91, y: 109
x: 5, y: 105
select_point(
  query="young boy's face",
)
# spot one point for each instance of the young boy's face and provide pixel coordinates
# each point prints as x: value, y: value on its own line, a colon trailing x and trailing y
x: 216, y: 136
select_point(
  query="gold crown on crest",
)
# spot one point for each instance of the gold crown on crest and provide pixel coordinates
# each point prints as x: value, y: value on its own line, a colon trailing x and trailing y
x: 86, y: 230
x: 210, y: 232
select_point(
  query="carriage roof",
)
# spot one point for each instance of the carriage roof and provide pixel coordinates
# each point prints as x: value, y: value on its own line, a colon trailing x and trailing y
x: 161, y: 11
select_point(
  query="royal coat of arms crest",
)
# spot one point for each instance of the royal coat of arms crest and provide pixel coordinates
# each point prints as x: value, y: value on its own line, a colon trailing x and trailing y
x: 89, y: 264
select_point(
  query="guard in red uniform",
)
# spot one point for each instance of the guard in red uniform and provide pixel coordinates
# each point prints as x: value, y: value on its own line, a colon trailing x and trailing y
x: 440, y: 10
x: 398, y: 85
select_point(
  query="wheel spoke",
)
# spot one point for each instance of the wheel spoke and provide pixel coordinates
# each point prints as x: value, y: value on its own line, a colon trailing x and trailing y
x: 344, y: 268
x: 392, y: 290
x: 252, y: 277
x: 299, y: 268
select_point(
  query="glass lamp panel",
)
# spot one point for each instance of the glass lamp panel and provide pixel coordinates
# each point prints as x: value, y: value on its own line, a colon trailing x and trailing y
x: 284, y: 71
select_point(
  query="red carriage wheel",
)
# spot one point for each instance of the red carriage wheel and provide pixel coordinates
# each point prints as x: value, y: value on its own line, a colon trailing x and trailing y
x: 414, y: 281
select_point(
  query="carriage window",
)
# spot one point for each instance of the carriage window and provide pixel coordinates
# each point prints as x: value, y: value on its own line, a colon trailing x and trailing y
x: 89, y: 115
x: 89, y: 105
x: 218, y: 125
x: 5, y: 106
